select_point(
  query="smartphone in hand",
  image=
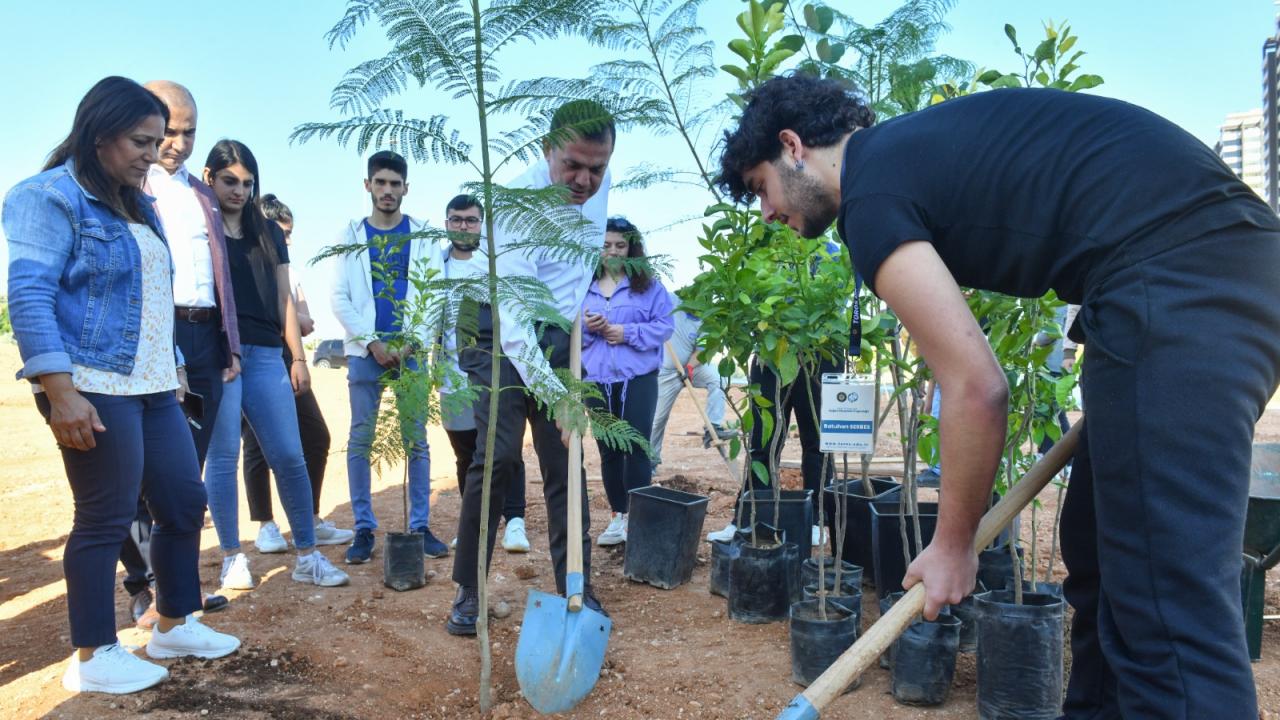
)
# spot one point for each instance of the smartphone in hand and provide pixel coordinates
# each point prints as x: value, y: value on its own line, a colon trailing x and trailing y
x: 193, y: 405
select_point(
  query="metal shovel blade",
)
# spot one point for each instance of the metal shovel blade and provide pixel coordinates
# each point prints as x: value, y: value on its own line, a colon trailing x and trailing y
x: 560, y: 652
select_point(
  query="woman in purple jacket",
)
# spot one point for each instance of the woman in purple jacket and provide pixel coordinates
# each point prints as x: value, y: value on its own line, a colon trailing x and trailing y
x: 627, y: 318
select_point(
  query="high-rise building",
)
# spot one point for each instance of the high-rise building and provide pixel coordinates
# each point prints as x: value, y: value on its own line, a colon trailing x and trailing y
x: 1240, y: 147
x: 1271, y: 119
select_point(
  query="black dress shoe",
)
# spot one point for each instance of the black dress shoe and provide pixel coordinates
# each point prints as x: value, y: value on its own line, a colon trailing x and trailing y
x: 590, y: 601
x: 214, y: 603
x: 466, y: 608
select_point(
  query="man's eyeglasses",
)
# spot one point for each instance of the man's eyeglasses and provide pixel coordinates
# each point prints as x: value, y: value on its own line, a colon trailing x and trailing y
x: 471, y: 220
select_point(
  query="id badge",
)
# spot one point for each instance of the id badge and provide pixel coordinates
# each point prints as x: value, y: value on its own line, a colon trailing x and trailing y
x: 848, y: 413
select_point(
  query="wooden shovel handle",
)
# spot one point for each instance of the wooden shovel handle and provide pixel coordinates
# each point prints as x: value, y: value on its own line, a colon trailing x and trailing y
x: 886, y: 630
x: 574, y: 505
x: 688, y: 383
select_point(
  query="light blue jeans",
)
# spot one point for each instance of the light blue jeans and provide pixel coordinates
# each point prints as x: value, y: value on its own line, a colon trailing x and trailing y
x: 365, y: 387
x: 264, y: 393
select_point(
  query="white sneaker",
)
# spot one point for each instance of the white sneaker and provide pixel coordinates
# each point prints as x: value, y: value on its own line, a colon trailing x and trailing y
x: 269, y: 539
x: 329, y: 534
x: 513, y: 539
x: 616, y: 533
x: 724, y: 535
x: 191, y: 638
x: 818, y: 536
x: 317, y: 570
x: 112, y: 669
x: 235, y: 573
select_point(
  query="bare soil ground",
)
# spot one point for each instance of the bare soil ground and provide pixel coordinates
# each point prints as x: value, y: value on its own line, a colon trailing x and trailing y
x: 366, y: 651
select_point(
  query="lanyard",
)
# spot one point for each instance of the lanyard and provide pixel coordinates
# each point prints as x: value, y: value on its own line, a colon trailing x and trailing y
x: 855, y: 324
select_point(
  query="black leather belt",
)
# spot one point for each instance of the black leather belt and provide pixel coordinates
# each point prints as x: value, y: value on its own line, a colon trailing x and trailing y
x: 195, y: 314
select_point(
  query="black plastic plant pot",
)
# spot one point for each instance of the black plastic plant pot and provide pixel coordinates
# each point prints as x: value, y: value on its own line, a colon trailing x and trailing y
x: 1019, y: 656
x: 795, y: 514
x: 721, y: 553
x: 995, y: 567
x: 816, y: 643
x: 760, y: 579
x: 849, y: 584
x: 886, y: 602
x: 794, y: 584
x: 886, y: 541
x: 1044, y: 588
x: 809, y: 572
x: 857, y: 529
x: 968, y: 615
x: 403, y: 567
x: 664, y: 529
x: 851, y: 602
x: 924, y: 661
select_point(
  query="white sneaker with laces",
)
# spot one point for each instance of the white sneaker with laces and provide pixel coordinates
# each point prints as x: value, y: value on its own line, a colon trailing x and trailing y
x: 317, y: 570
x: 112, y: 669
x: 191, y: 638
x: 269, y: 539
x: 818, y: 536
x: 329, y: 534
x: 235, y: 573
x: 513, y: 539
x: 616, y: 533
x: 724, y: 535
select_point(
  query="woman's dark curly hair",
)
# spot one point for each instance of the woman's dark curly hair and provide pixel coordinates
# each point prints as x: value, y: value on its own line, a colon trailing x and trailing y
x: 820, y: 111
x: 640, y: 274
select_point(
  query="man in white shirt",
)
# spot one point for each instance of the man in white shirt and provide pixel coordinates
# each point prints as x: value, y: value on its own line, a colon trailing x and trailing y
x: 576, y: 156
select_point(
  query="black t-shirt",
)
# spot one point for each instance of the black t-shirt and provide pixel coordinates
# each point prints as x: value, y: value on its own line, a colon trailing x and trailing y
x: 1024, y: 190
x: 253, y: 276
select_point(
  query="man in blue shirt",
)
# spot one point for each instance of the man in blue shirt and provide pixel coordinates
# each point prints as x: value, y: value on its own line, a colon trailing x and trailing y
x: 368, y: 314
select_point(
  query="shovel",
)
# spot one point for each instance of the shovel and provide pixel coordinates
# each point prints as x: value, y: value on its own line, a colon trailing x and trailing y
x: 562, y: 643
x: 719, y: 444
x: 808, y: 704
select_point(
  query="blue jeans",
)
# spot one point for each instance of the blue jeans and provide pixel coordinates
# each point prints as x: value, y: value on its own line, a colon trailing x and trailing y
x: 365, y: 387
x: 147, y: 447
x: 264, y: 393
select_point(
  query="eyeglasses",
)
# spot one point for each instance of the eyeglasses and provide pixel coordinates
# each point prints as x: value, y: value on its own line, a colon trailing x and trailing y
x: 471, y: 220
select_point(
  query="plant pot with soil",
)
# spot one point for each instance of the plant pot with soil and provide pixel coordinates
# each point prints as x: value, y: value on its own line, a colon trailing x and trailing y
x: 760, y: 577
x: 819, y: 636
x: 1020, y: 646
x: 924, y: 661
x: 663, y: 534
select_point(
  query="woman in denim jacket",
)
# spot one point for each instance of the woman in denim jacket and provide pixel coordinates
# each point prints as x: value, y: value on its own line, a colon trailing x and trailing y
x: 627, y: 319
x: 91, y: 302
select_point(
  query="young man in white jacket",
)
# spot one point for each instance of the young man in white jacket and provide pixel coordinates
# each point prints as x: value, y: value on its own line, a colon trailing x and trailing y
x: 369, y: 318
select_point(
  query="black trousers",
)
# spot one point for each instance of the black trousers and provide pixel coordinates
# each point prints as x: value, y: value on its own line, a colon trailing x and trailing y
x: 515, y: 408
x: 1183, y: 354
x: 205, y: 356
x: 464, y: 448
x: 795, y: 401
x: 625, y: 470
x: 315, y: 449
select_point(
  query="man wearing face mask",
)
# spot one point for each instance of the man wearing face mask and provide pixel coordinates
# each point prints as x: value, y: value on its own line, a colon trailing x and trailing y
x: 576, y: 156
x: 466, y: 259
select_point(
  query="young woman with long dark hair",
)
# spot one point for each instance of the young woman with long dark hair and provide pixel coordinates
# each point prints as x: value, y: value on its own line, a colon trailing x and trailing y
x: 265, y: 389
x: 91, y: 302
x: 627, y: 320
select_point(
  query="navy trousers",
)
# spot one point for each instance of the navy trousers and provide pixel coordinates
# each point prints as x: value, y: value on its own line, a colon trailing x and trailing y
x: 1182, y: 357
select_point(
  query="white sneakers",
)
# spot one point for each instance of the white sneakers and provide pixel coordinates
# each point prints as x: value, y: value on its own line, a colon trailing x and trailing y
x: 112, y: 669
x: 329, y: 534
x: 616, y: 533
x: 317, y: 570
x: 270, y: 540
x: 514, y: 540
x: 115, y: 670
x: 190, y: 638
x: 235, y: 573
x: 725, y: 535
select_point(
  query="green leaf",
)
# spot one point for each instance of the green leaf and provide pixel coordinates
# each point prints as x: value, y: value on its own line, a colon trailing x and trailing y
x: 1044, y: 51
x: 1067, y: 43
x: 1042, y: 77
x: 735, y: 447
x: 989, y: 77
x: 737, y: 72
x: 1012, y: 35
x: 1084, y: 82
x: 760, y: 471
x: 825, y: 18
x: 774, y: 59
x: 811, y: 17
x: 742, y: 48
x: 793, y: 43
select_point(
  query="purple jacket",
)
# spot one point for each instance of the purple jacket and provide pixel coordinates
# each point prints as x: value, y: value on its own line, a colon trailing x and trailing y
x: 646, y: 322
x: 221, y: 265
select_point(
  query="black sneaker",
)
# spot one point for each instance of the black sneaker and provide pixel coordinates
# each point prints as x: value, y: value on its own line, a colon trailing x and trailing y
x: 589, y: 600
x: 361, y: 548
x: 431, y: 545
x: 466, y: 608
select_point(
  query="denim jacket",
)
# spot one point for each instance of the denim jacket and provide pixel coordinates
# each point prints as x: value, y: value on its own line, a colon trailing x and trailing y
x: 75, y: 277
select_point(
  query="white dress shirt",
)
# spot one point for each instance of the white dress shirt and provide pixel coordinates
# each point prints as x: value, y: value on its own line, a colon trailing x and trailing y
x: 568, y: 280
x: 185, y: 229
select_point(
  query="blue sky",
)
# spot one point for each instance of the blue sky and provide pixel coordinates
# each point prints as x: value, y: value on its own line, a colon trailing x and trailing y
x: 260, y: 68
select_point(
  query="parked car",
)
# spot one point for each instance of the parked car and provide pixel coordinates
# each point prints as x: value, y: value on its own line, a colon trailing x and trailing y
x: 328, y: 354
